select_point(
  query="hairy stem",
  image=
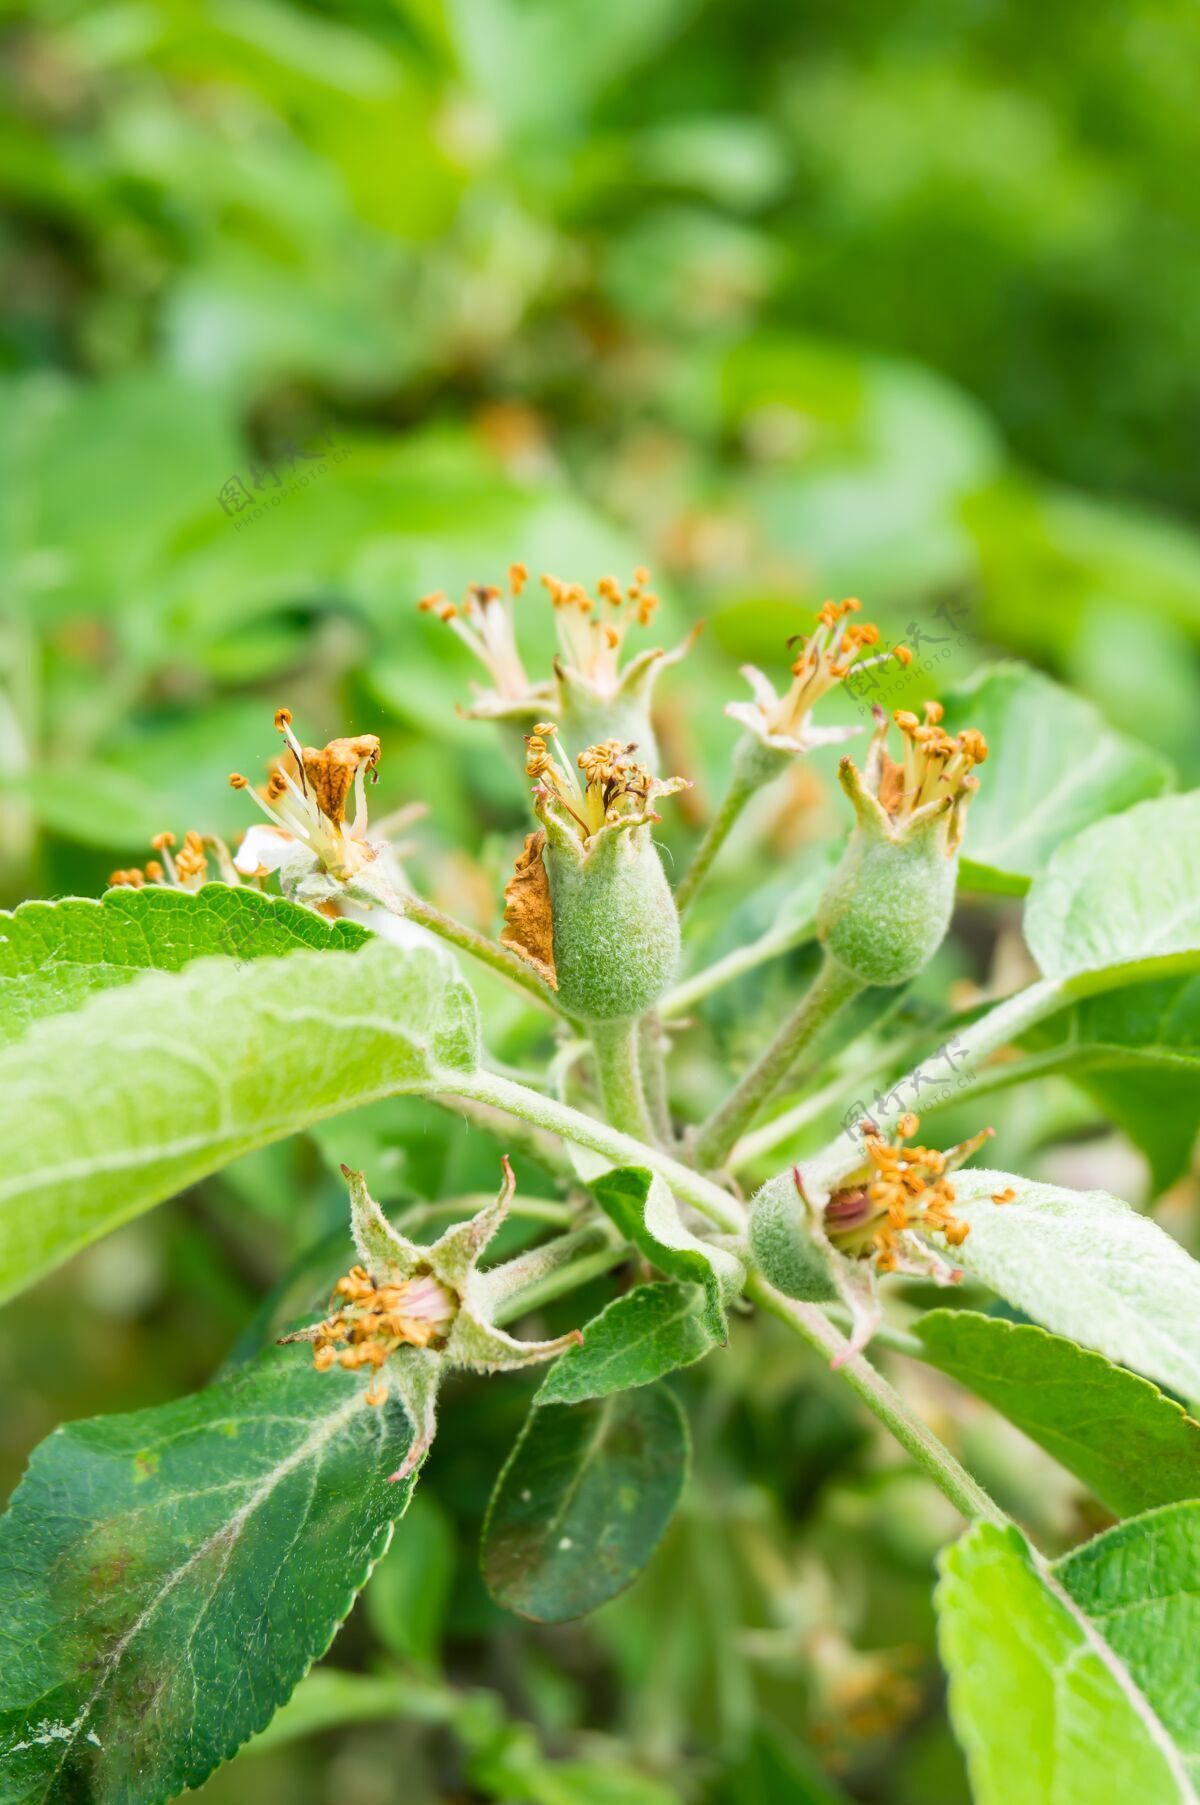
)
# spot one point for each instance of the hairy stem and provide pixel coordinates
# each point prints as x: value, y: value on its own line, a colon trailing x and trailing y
x: 514, y: 1137
x: 830, y: 991
x: 914, y: 1436
x: 580, y: 1270
x: 548, y: 1114
x: 652, y: 1052
x: 771, y: 945
x: 720, y: 827
x: 469, y: 940
x: 616, y: 1051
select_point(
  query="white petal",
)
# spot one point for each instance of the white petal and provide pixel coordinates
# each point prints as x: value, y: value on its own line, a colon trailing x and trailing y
x: 764, y: 689
x: 750, y: 716
x: 829, y: 736
x: 262, y: 847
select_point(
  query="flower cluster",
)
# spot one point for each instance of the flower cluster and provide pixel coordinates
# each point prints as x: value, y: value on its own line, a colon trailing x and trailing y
x: 374, y: 1320
x: 304, y: 800
x: 877, y: 1221
x: 186, y: 869
x: 590, y: 691
x: 784, y: 724
x: 898, y: 1190
x: 932, y: 781
x: 408, y: 1313
x: 616, y: 790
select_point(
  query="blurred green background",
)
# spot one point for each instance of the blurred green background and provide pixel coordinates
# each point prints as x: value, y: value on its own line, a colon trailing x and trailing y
x: 308, y: 309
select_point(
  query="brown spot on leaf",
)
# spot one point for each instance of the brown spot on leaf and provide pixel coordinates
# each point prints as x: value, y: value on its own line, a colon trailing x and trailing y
x: 528, y: 915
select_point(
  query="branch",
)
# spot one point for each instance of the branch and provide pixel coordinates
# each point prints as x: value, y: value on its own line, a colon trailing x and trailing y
x: 914, y: 1436
x: 830, y: 991
x: 548, y: 1114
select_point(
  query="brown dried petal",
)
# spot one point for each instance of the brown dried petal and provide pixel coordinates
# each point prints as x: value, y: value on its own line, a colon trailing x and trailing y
x: 528, y: 916
x: 891, y: 785
x: 331, y: 771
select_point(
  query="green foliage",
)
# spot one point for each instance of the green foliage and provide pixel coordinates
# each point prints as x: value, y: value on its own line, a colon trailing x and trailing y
x: 146, y: 1088
x: 641, y: 1205
x: 1137, y: 1052
x: 1054, y: 766
x: 56, y: 955
x: 1044, y: 1707
x: 1125, y: 889
x: 1085, y: 1265
x: 1131, y: 1445
x: 169, y: 1575
x: 310, y: 311
x: 583, y: 1501
x: 1139, y: 1585
x: 634, y: 1341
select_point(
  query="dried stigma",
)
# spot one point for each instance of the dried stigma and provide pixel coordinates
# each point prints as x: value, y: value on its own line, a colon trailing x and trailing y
x: 591, y: 691
x: 304, y: 800
x: 827, y: 657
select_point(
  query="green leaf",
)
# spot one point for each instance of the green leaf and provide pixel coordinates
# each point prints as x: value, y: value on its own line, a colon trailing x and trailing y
x: 583, y: 1501
x: 54, y: 955
x: 1140, y: 1585
x: 644, y: 1209
x: 145, y: 1089
x: 1158, y: 1112
x: 168, y: 1576
x: 638, y: 1338
x: 1087, y: 1266
x: 1153, y: 1026
x: 1047, y: 1713
x: 1054, y: 766
x: 1131, y: 1445
x: 1126, y: 890
x: 1136, y: 1051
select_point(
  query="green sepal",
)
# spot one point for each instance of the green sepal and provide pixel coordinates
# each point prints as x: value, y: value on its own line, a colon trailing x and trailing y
x: 789, y: 1245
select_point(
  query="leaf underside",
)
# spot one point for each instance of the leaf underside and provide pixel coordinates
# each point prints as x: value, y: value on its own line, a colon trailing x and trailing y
x: 147, y: 1088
